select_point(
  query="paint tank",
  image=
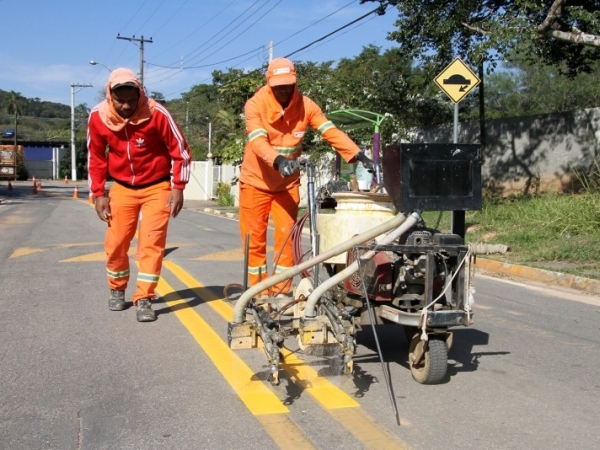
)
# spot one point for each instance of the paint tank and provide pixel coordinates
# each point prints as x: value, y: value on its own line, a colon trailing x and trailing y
x: 355, y: 213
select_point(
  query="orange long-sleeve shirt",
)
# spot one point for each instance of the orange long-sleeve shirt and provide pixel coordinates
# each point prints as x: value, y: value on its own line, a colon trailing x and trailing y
x: 274, y: 131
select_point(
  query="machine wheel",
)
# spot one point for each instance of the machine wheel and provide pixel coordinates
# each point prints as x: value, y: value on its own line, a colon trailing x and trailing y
x: 433, y: 365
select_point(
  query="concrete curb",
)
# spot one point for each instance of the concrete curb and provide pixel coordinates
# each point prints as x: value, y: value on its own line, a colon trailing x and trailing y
x: 539, y: 275
x: 220, y: 213
x: 499, y: 268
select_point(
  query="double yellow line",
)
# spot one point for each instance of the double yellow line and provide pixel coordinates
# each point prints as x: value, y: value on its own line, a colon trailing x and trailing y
x: 258, y: 398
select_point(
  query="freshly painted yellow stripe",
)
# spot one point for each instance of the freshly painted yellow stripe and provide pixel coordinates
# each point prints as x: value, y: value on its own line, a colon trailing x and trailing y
x: 325, y: 392
x: 343, y: 408
x: 255, y: 395
x: 224, y: 309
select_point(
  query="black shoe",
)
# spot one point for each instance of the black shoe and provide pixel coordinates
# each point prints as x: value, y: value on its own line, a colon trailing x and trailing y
x: 116, y: 301
x: 144, y: 311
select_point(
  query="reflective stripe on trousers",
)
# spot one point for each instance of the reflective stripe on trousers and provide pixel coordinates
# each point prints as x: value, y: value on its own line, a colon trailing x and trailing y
x: 125, y: 207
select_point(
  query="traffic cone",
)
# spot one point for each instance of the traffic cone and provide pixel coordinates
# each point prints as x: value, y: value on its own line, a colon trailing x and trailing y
x: 75, y: 192
x: 33, y: 180
x: 39, y: 185
x: 66, y: 181
x: 10, y: 188
x: 34, y: 191
x: 91, y: 199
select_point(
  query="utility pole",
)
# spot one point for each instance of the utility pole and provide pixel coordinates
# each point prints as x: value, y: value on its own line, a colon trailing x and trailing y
x: 73, y: 162
x: 141, y: 40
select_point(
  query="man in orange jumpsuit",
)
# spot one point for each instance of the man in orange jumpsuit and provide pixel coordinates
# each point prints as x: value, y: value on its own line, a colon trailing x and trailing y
x: 277, y: 117
x: 136, y: 141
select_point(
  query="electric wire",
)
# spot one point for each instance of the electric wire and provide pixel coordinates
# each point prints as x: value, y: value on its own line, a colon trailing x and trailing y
x: 197, y: 29
x: 379, y: 9
x: 237, y: 35
x: 256, y: 49
x: 217, y: 36
x: 164, y: 72
x: 314, y: 23
x: 141, y: 27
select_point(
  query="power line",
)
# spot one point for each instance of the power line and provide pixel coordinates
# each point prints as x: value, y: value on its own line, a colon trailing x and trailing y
x: 379, y: 10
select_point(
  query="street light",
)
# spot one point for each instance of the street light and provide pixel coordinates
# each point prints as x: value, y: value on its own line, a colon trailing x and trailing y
x: 73, y: 162
x: 94, y: 63
x: 209, y: 156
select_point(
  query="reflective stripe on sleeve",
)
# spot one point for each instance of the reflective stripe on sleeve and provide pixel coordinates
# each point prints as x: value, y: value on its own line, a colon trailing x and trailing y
x: 257, y: 133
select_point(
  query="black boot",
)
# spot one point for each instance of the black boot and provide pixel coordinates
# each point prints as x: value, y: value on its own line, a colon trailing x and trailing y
x: 144, y: 311
x: 116, y: 301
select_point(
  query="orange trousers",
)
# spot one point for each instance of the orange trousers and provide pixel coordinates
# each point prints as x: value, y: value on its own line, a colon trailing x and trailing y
x: 125, y: 207
x: 255, y: 207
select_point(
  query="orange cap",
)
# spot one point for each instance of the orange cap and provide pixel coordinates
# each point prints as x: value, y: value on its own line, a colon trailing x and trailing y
x: 122, y: 77
x: 281, y: 71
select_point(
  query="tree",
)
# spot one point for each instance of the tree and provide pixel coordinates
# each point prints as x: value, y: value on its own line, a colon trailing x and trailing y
x: 561, y: 32
x: 158, y: 96
x: 14, y: 108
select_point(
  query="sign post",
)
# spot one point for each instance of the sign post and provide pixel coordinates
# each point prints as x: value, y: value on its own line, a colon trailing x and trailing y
x: 457, y: 80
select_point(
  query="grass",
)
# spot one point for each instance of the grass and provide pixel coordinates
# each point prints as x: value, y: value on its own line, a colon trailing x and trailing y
x: 552, y: 231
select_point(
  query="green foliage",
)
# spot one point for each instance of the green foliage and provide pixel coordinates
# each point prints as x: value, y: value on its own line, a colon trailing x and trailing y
x: 528, y: 89
x: 80, y: 161
x: 22, y: 172
x: 436, y: 31
x: 589, y: 178
x: 224, y: 196
x: 229, y: 137
x: 33, y: 107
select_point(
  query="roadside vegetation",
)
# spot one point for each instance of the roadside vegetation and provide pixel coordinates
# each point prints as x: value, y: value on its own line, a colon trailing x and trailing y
x: 554, y: 231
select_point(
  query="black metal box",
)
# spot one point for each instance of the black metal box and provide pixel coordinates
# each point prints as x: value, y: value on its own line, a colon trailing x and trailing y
x: 433, y: 177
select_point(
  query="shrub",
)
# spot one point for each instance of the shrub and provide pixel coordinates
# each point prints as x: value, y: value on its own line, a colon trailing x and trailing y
x: 224, y: 196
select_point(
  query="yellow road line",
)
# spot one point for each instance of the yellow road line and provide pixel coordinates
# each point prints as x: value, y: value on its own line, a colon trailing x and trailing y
x: 325, y: 392
x: 255, y: 395
x: 343, y: 408
x: 262, y: 403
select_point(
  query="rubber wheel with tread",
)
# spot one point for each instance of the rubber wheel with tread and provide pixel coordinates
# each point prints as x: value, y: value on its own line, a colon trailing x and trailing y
x: 433, y: 366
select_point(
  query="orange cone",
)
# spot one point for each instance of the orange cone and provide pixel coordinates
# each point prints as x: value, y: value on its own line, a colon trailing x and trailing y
x: 66, y: 181
x: 91, y: 199
x: 10, y: 188
x: 33, y: 180
x: 39, y: 185
x: 75, y: 192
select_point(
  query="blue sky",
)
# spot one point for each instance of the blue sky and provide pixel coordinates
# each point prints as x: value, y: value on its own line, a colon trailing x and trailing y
x: 48, y: 44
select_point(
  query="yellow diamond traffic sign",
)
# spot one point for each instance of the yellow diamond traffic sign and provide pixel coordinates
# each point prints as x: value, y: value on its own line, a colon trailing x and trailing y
x: 457, y: 80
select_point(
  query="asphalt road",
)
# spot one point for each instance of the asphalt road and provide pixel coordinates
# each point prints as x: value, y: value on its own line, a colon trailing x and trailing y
x: 74, y: 375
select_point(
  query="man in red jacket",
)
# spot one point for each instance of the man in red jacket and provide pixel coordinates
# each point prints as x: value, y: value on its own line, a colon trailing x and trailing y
x: 136, y: 141
x: 277, y: 118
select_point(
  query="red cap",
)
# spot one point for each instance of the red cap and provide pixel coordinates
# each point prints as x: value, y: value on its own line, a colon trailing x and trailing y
x: 281, y: 71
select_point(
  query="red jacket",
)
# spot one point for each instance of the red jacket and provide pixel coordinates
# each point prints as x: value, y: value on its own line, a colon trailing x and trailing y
x: 273, y: 131
x: 137, y: 155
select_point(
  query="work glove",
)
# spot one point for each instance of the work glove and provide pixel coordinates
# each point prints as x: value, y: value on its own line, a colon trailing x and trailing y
x: 366, y: 161
x: 286, y: 166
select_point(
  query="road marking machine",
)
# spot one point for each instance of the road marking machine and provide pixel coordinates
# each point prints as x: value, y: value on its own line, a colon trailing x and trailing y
x: 373, y: 260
